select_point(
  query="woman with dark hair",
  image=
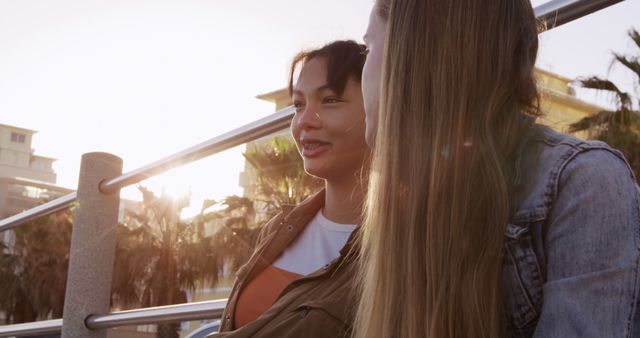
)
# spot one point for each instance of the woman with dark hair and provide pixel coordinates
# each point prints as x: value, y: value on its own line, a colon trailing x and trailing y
x: 298, y: 282
x: 479, y: 222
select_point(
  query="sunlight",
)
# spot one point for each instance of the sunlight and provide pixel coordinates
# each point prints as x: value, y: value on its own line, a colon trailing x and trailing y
x: 214, y: 178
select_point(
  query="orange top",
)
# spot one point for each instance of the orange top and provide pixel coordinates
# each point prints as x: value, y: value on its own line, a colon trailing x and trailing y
x: 261, y: 293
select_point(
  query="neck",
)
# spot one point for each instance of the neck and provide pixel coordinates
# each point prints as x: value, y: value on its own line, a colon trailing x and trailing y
x: 343, y: 200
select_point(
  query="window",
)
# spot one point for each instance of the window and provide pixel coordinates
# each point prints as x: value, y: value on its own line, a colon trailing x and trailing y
x: 38, y: 165
x: 18, y: 138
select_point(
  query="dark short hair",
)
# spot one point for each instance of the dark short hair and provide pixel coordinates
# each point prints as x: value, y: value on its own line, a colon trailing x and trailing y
x: 344, y: 59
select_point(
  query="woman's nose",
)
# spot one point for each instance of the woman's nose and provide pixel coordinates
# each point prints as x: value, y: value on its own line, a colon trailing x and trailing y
x: 309, y: 118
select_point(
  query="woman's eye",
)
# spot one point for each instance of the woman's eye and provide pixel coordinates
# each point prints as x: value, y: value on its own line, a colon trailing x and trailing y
x: 298, y: 105
x: 332, y: 100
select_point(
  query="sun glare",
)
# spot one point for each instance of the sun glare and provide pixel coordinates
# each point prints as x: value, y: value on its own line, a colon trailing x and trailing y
x: 214, y: 178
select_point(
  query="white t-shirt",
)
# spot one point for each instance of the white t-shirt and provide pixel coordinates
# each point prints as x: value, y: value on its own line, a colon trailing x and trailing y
x: 318, y: 244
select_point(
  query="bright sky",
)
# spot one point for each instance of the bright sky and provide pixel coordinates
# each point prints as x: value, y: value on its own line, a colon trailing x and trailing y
x: 143, y: 79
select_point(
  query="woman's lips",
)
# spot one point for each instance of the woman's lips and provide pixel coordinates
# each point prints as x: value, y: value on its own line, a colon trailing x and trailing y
x: 314, y: 149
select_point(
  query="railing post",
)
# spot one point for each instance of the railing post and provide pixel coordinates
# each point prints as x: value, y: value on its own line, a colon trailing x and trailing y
x: 93, y: 243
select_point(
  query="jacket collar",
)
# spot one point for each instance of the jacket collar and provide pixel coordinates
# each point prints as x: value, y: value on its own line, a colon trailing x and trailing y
x: 515, y: 166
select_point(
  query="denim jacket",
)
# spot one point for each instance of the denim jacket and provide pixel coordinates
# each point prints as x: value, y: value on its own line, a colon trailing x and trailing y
x: 572, y: 246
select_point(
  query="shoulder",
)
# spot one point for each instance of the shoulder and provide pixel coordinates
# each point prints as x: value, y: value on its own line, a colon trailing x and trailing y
x: 550, y: 162
x: 570, y: 154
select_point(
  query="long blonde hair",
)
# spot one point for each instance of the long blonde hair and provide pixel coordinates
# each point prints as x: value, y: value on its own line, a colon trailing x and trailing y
x: 456, y: 77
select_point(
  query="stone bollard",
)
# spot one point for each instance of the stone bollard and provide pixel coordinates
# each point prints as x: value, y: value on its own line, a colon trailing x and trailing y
x: 93, y: 243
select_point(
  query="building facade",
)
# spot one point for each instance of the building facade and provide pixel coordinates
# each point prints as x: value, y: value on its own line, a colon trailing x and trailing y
x: 559, y: 103
x: 17, y: 158
x: 26, y: 179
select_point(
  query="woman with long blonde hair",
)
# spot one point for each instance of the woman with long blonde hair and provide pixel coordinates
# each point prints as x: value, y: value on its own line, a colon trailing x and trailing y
x: 480, y: 222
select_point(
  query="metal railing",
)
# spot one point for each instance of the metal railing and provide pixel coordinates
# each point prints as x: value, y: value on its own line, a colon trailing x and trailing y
x: 553, y: 13
x: 556, y: 13
x: 155, y: 315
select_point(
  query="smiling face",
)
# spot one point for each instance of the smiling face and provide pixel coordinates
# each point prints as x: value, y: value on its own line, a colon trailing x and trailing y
x: 328, y: 128
x: 374, y: 38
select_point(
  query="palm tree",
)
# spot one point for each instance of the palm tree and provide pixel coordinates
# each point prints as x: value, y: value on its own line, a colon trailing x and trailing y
x: 33, y: 269
x: 620, y: 128
x: 235, y: 231
x: 159, y: 255
x: 10, y: 290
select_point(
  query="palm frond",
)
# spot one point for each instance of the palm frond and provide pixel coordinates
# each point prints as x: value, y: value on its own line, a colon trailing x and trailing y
x: 591, y: 122
x: 594, y: 82
x: 635, y: 36
x: 632, y: 63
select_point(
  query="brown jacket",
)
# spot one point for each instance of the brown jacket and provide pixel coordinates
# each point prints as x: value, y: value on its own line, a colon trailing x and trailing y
x: 321, y: 304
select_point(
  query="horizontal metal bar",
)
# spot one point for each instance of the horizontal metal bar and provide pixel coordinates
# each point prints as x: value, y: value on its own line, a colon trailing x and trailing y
x: 154, y: 315
x: 164, y: 314
x: 37, y: 212
x: 249, y: 132
x: 558, y: 12
x: 34, y: 328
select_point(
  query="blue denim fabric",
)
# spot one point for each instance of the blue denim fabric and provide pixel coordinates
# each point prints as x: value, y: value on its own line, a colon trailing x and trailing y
x: 572, y: 248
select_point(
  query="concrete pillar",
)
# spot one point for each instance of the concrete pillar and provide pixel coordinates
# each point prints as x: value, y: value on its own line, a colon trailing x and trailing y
x: 93, y: 243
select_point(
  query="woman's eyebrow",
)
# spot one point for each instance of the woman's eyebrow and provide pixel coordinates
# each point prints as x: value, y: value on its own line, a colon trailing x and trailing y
x: 323, y: 88
x: 317, y: 90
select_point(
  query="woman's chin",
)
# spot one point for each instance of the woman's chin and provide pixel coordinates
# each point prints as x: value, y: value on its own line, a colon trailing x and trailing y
x: 315, y: 171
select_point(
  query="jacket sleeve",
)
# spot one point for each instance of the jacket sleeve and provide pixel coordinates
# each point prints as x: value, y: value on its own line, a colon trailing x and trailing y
x: 592, y: 250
